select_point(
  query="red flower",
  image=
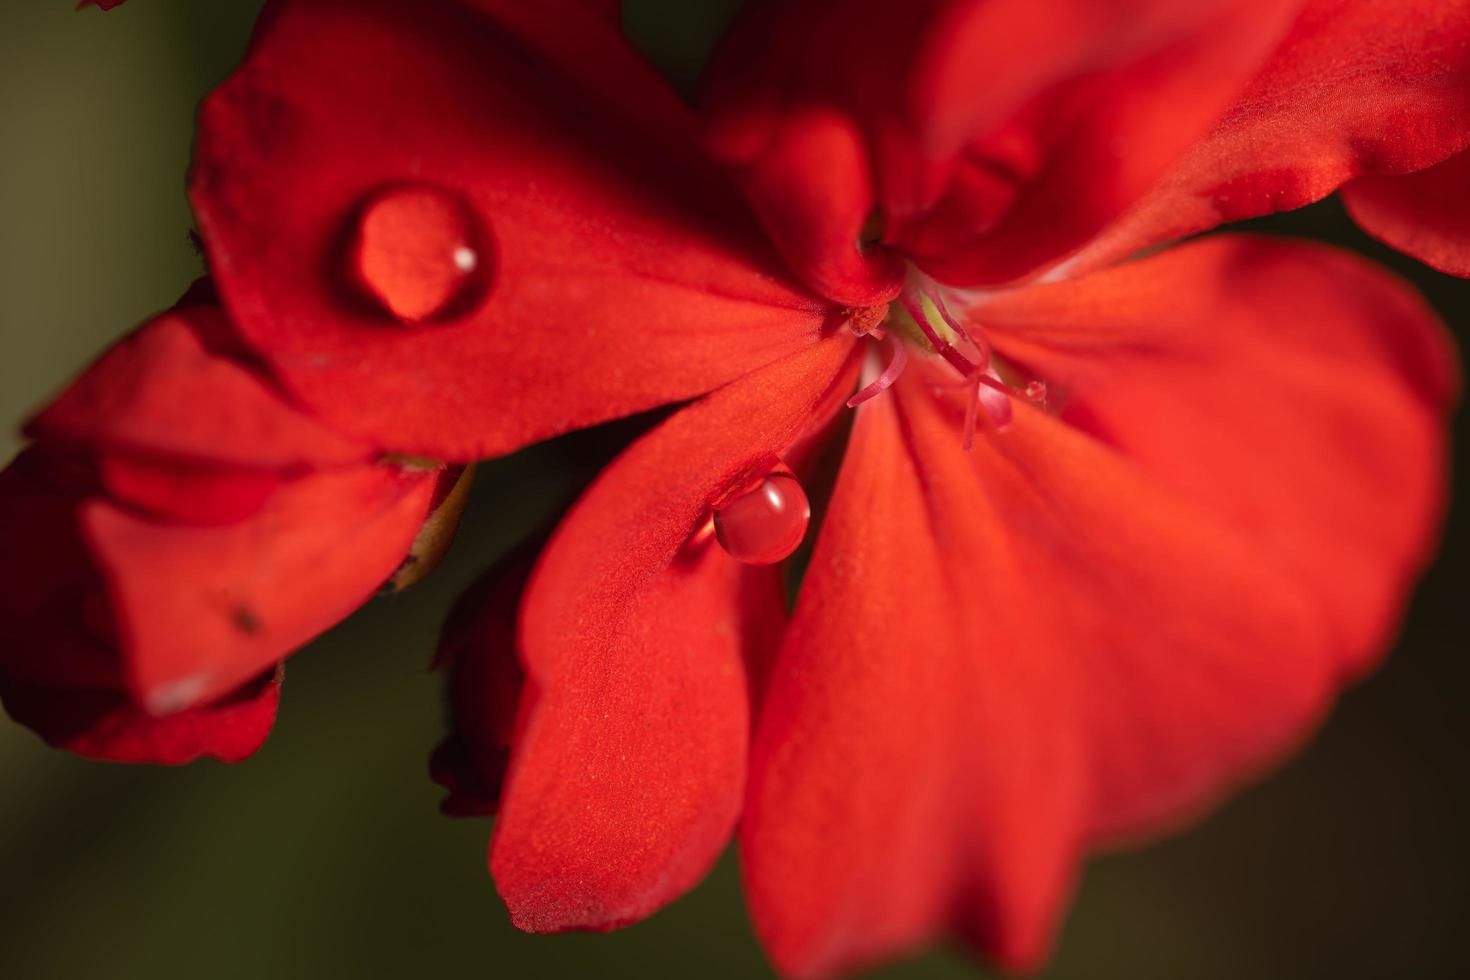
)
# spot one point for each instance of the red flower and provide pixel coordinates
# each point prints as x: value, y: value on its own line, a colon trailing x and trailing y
x: 176, y: 529
x: 1199, y: 484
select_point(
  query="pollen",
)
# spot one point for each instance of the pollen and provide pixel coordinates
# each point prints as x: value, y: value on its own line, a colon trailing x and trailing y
x: 866, y: 321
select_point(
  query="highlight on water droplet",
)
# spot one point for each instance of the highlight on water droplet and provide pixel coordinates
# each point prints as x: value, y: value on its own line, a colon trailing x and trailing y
x: 420, y: 253
x: 766, y: 522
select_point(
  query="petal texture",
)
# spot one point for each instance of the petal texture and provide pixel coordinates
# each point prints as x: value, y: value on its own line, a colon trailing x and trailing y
x: 1426, y: 213
x: 1297, y: 391
x: 627, y: 772
x: 1357, y: 87
x: 611, y: 267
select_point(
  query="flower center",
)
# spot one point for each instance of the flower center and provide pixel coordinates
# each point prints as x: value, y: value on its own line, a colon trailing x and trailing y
x: 926, y: 320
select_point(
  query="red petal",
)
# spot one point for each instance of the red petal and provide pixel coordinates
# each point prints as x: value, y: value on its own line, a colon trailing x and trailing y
x: 187, y: 494
x: 1296, y: 391
x: 1334, y: 102
x: 959, y: 673
x: 52, y: 606
x: 627, y: 774
x: 869, y: 773
x: 625, y: 273
x: 1426, y: 213
x: 200, y: 609
x: 1058, y: 639
x: 817, y: 223
x: 994, y: 136
x: 102, y: 724
x: 169, y: 390
x: 478, y: 646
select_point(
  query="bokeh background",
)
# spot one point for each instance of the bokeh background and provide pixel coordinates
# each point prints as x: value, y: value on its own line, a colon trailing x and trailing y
x: 325, y: 855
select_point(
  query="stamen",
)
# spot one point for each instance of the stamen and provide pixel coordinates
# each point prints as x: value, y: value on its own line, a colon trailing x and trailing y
x: 1033, y: 392
x: 945, y: 333
x: 954, y: 323
x: 972, y: 411
x: 915, y: 308
x: 898, y: 360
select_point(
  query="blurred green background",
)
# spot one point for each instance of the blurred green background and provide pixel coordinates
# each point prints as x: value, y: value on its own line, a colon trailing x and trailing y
x: 324, y: 855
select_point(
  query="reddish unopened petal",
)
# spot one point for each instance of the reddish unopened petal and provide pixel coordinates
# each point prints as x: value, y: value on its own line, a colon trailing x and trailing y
x: 994, y: 137
x: 104, y: 724
x: 179, y: 388
x: 1426, y: 213
x: 627, y: 773
x: 201, y: 609
x: 478, y: 647
x: 1358, y: 87
x: 599, y: 264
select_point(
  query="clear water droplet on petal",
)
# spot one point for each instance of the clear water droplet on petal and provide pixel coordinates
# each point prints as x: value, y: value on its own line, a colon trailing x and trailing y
x: 766, y: 523
x: 420, y: 253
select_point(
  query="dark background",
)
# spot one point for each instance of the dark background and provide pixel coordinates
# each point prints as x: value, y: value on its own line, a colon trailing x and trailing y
x: 324, y: 855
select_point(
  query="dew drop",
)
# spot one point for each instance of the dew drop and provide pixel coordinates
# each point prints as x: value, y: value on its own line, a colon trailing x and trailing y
x: 765, y: 523
x: 420, y: 253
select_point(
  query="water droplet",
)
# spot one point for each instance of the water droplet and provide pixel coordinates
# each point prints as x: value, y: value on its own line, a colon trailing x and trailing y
x: 765, y: 523
x: 420, y: 253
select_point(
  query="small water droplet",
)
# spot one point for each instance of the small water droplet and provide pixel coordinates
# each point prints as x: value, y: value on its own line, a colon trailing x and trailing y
x: 420, y: 253
x: 765, y: 523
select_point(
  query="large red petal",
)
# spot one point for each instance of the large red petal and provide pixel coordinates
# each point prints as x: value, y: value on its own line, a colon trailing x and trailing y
x: 1297, y: 391
x: 629, y: 765
x: 103, y: 724
x: 1358, y: 87
x: 981, y: 644
x: 994, y: 136
x: 626, y: 273
x: 1426, y: 213
x: 1086, y: 631
x: 201, y: 609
